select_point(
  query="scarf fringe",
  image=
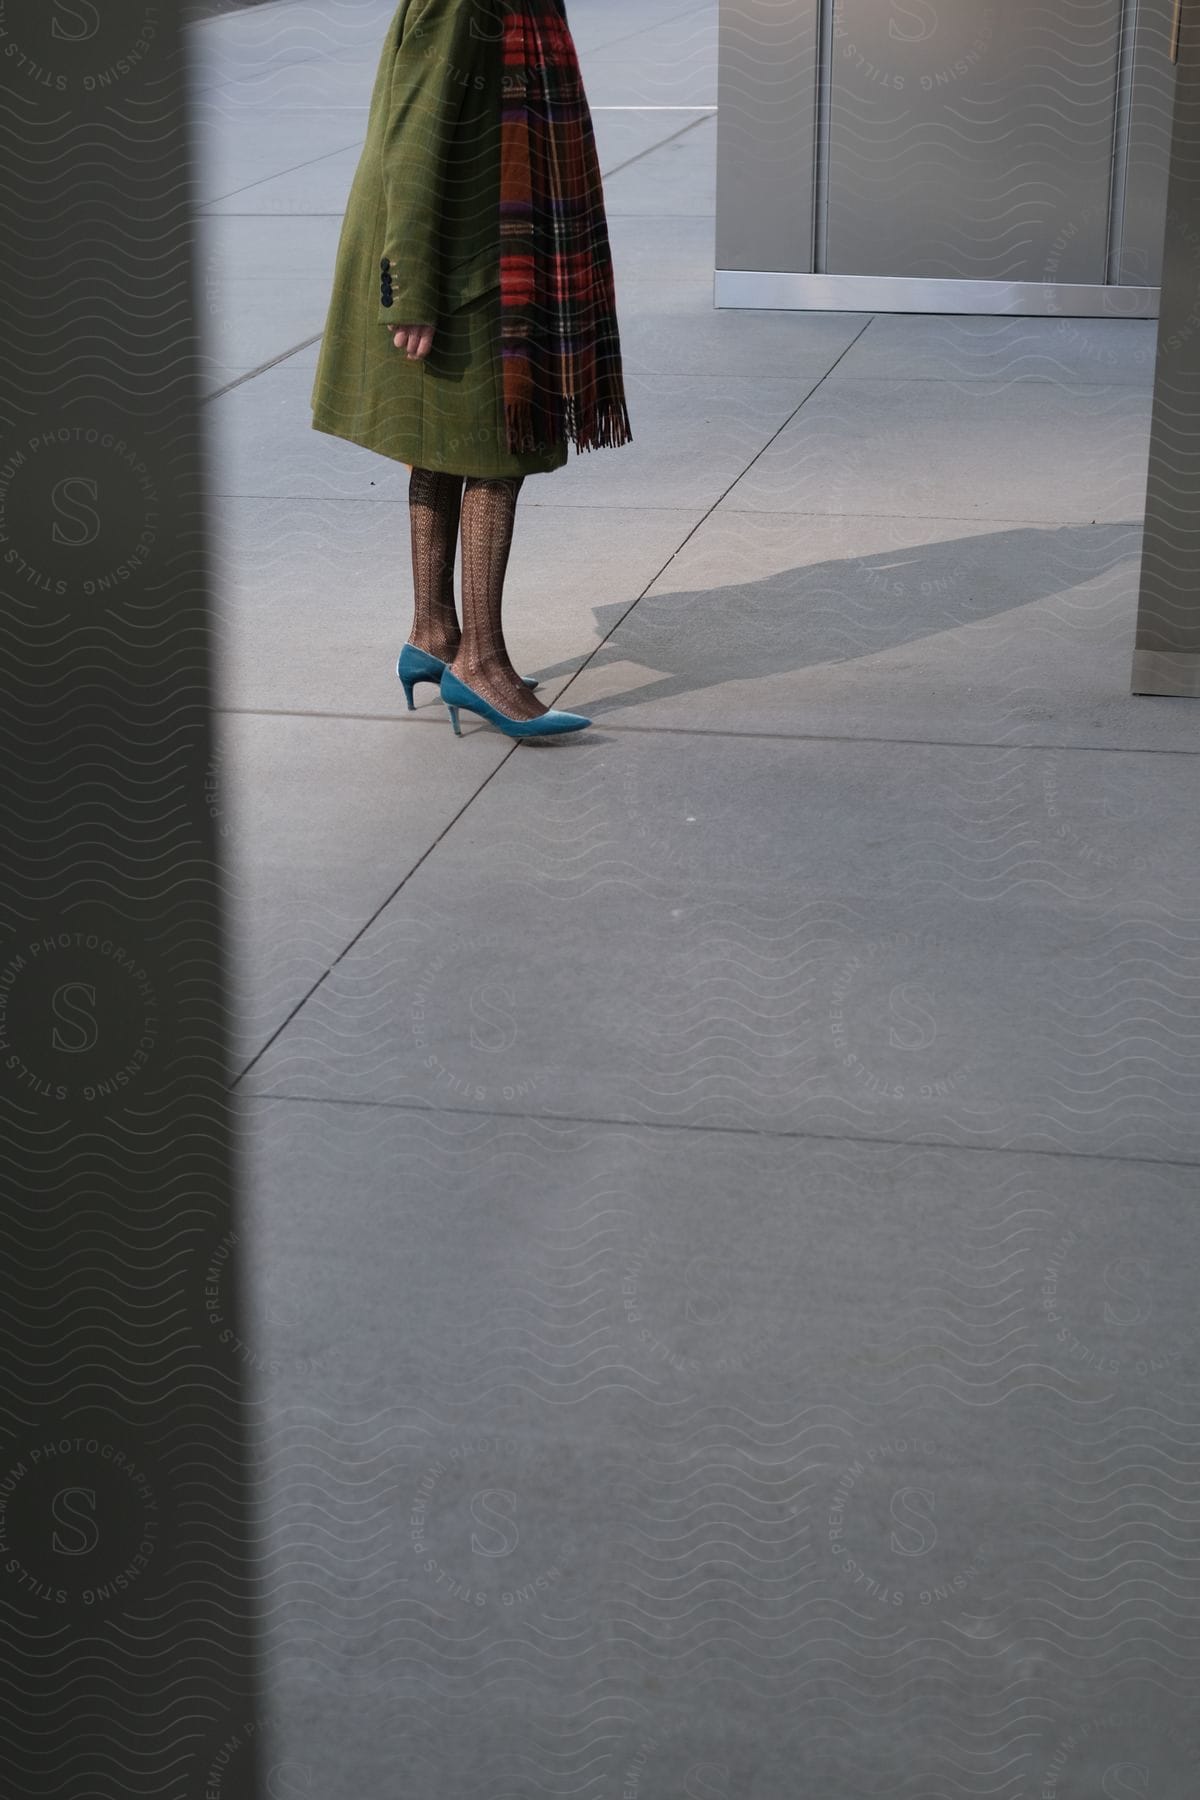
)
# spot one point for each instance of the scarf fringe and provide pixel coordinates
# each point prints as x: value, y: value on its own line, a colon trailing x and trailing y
x: 530, y: 426
x: 607, y: 426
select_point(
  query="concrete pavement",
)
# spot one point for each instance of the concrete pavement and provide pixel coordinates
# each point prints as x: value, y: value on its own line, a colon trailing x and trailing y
x: 721, y: 1189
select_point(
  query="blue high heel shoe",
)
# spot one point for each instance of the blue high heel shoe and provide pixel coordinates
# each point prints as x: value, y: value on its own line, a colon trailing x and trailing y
x: 456, y: 693
x: 418, y: 665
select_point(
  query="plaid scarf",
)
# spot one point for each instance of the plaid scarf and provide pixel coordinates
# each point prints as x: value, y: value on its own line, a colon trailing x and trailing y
x: 560, y: 350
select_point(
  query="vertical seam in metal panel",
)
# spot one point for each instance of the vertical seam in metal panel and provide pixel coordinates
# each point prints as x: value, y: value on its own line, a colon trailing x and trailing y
x: 821, y: 106
x: 1122, y: 122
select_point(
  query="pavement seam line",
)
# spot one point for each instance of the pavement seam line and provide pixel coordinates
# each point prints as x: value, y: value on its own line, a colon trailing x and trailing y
x: 504, y: 759
x: 233, y: 193
x: 753, y: 1131
x: 379, y: 910
x: 753, y: 737
x: 651, y: 149
x: 704, y: 518
x: 261, y: 370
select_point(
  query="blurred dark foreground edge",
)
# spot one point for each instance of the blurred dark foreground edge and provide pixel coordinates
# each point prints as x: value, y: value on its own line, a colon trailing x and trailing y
x: 129, y: 1666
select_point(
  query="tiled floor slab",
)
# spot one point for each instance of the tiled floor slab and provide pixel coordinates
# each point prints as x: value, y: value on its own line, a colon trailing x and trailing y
x: 934, y: 629
x: 314, y: 598
x: 214, y: 108
x: 676, y: 249
x: 621, y: 26
x: 923, y: 943
x: 628, y: 135
x: 245, y: 323
x: 259, y: 41
x: 1035, y: 451
x: 769, y: 1737
x: 692, y: 437
x: 627, y: 80
x: 320, y: 184
x: 929, y: 1320
x: 693, y: 1267
x: 213, y: 64
x: 342, y: 82
x: 263, y: 443
x: 679, y: 177
x: 912, y: 346
x: 344, y: 1739
x: 232, y: 249
x: 673, y: 327
x: 319, y: 820
x: 252, y: 147
x: 673, y: 62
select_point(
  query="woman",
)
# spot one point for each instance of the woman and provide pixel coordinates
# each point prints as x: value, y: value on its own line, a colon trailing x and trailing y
x: 472, y: 331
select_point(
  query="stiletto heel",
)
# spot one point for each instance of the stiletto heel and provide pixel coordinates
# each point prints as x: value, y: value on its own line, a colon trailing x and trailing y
x: 418, y: 665
x: 457, y: 694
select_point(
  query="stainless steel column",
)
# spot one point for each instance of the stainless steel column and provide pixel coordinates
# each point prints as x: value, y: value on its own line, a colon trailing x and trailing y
x: 1167, y: 642
x: 766, y: 127
x: 1143, y: 150
x: 971, y: 141
x: 1003, y: 156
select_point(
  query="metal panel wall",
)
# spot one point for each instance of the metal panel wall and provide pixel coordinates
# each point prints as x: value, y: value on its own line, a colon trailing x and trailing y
x: 1167, y: 646
x: 1002, y: 156
x: 971, y: 139
x: 766, y: 126
x: 1141, y: 199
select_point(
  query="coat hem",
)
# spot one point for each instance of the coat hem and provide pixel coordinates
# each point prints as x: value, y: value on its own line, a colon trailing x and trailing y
x: 413, y: 456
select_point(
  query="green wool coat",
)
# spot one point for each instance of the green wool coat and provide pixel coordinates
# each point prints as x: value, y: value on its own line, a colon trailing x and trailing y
x: 420, y: 245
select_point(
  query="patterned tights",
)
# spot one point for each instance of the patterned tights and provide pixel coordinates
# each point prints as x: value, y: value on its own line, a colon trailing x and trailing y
x: 433, y: 509
x: 483, y: 509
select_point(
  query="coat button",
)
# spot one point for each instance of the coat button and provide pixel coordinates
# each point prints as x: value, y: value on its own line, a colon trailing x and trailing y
x: 385, y: 264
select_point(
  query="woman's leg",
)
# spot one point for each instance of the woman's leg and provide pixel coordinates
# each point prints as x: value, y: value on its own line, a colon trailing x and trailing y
x: 434, y: 502
x: 488, y: 509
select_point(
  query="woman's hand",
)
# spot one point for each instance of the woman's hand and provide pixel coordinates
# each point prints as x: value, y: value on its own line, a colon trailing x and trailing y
x: 415, y: 339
